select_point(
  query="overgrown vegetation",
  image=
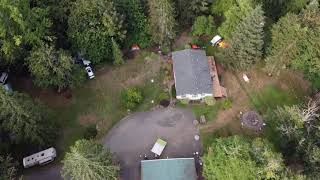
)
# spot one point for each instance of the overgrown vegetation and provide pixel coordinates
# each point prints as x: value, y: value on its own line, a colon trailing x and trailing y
x: 38, y: 38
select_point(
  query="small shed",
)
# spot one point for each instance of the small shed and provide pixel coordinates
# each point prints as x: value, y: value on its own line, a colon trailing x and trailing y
x: 169, y: 169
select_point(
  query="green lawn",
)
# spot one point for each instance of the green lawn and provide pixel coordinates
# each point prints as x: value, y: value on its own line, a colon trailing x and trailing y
x: 210, y: 112
x: 271, y: 97
x: 101, y: 98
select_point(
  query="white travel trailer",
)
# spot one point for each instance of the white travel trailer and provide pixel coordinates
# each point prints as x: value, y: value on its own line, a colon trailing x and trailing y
x: 41, y: 158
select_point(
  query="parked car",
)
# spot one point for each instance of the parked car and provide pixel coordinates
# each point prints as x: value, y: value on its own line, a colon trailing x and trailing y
x: 3, y: 78
x: 90, y: 72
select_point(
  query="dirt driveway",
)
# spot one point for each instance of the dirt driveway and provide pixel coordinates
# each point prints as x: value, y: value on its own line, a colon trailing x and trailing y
x: 136, y: 134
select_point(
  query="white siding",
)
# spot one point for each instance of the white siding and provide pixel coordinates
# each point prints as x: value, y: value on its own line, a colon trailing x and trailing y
x: 194, y: 96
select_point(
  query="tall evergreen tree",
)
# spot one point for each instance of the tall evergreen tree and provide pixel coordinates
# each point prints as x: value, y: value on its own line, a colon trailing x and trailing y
x: 24, y: 120
x: 162, y: 22
x: 286, y: 35
x: 89, y: 160
x: 117, y: 54
x: 247, y: 41
x: 234, y: 14
x: 92, y: 24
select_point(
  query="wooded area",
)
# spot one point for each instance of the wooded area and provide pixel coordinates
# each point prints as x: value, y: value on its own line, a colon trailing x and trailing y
x: 41, y: 38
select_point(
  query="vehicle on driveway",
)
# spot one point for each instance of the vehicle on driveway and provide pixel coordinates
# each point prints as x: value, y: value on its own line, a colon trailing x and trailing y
x: 90, y: 72
x: 80, y: 60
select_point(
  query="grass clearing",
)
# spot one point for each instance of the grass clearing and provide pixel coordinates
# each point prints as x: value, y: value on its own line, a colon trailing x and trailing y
x: 271, y: 97
x: 102, y: 97
x: 210, y: 112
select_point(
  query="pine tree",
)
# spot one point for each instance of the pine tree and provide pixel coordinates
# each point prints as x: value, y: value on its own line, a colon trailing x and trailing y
x: 89, y: 160
x: 247, y: 41
x: 162, y: 22
x: 117, y: 54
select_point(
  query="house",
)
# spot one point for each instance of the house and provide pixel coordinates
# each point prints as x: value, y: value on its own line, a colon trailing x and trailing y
x: 169, y: 169
x: 195, y: 75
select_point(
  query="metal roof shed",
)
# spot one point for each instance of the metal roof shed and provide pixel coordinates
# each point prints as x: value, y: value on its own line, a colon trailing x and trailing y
x: 169, y: 169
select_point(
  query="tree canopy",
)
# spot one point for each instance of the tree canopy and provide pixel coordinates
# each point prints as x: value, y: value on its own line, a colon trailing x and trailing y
x: 92, y: 25
x: 237, y: 158
x: 233, y: 16
x: 51, y: 68
x: 21, y: 25
x: 247, y: 41
x: 24, y: 120
x: 295, y: 43
x: 162, y: 22
x: 89, y: 160
x: 7, y: 168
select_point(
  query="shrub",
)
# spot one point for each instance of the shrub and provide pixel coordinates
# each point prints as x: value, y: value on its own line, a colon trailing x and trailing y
x: 132, y: 97
x: 163, y: 96
x: 173, y: 91
x: 184, y: 101
x: 227, y: 104
x: 210, y: 101
x: 90, y: 132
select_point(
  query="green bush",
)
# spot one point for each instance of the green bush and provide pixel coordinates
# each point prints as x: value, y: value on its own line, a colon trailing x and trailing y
x: 184, y: 101
x: 210, y: 101
x: 90, y: 132
x: 227, y: 104
x: 199, y: 42
x: 203, y: 26
x: 132, y: 97
x: 163, y: 96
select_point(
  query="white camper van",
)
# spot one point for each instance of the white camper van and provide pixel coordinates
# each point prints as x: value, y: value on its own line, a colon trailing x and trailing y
x: 41, y: 158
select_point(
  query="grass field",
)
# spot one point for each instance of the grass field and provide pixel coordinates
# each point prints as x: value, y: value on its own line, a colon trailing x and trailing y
x: 99, y: 101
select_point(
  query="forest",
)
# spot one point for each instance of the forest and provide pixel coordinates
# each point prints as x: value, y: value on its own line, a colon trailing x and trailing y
x: 41, y: 38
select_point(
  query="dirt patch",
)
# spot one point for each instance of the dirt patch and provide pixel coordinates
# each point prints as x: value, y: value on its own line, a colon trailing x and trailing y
x: 49, y: 97
x: 183, y: 39
x: 88, y: 119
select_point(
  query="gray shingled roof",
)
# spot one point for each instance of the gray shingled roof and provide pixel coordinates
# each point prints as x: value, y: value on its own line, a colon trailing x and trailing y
x: 192, y: 74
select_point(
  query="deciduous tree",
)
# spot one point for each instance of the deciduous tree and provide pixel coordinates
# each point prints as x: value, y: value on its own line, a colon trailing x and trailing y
x: 89, y: 160
x: 51, y: 68
x: 21, y: 25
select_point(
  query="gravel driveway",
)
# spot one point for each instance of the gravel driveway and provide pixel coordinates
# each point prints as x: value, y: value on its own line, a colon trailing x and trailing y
x: 136, y: 134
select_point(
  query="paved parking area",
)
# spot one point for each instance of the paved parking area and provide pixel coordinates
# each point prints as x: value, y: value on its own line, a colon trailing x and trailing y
x: 136, y: 134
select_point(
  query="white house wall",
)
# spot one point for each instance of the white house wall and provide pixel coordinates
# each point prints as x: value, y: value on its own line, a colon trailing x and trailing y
x: 194, y: 96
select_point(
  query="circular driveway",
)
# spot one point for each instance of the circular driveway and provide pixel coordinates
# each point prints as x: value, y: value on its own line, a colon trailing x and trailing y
x: 136, y: 134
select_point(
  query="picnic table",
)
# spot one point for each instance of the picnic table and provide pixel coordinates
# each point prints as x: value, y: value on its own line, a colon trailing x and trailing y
x: 159, y: 146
